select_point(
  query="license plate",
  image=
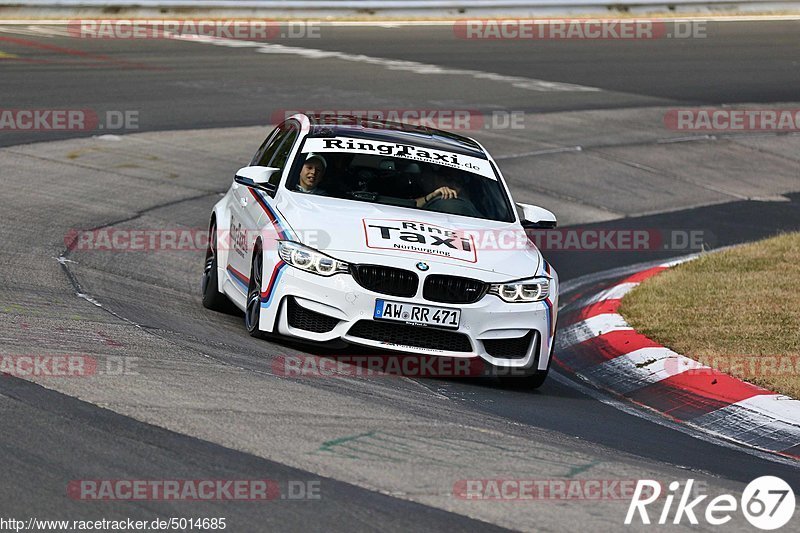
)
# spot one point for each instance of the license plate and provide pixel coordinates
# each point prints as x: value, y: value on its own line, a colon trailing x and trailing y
x: 421, y: 315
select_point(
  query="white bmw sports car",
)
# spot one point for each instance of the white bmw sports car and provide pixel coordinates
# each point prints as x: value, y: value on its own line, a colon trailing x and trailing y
x: 386, y: 235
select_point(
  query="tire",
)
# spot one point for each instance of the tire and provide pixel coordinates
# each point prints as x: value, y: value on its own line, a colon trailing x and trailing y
x: 252, y: 311
x: 529, y: 382
x: 212, y: 298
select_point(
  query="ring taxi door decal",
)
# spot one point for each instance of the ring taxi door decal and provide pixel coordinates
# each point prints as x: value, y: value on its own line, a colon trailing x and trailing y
x: 419, y: 237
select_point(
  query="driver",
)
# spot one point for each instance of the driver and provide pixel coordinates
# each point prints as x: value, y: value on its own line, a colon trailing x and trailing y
x: 448, y: 184
x: 312, y: 174
x: 445, y: 192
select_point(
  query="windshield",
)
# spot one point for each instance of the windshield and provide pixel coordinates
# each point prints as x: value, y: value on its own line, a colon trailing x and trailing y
x: 399, y: 175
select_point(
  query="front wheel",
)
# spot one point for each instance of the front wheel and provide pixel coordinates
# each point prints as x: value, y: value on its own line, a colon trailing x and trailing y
x: 252, y: 313
x: 529, y: 382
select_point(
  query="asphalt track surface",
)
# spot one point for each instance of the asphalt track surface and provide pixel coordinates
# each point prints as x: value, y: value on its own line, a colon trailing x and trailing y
x: 50, y: 438
x: 176, y: 85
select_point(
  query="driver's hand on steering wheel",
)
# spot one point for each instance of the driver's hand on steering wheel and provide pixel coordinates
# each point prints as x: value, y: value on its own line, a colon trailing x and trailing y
x: 446, y: 193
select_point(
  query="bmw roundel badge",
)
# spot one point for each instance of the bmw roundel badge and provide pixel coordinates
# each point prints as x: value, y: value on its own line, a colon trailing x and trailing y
x: 422, y: 266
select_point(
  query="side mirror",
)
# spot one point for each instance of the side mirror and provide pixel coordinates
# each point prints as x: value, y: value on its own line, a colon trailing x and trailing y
x: 256, y: 177
x: 535, y: 217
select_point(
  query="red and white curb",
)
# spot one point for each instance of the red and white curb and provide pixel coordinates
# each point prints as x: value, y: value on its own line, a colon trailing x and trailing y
x: 596, y: 344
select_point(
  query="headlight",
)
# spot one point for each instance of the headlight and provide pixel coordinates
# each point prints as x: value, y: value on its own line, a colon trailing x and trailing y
x: 528, y: 290
x: 310, y: 260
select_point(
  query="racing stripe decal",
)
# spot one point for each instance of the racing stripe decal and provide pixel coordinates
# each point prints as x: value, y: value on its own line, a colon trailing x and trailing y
x: 548, y: 314
x: 237, y: 276
x: 282, y: 232
x: 548, y: 308
x: 546, y: 267
x: 277, y: 272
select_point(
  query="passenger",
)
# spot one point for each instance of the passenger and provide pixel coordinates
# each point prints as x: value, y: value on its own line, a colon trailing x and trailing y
x: 312, y: 174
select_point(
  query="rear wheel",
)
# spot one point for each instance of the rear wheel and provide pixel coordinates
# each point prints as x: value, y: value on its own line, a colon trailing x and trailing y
x: 212, y: 298
x: 252, y: 312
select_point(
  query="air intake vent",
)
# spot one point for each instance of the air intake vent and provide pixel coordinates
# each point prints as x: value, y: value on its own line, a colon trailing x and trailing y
x: 386, y: 280
x: 301, y: 318
x: 453, y: 290
x: 416, y: 336
x: 509, y: 348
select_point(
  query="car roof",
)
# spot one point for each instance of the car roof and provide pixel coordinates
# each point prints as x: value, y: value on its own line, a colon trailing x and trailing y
x: 396, y: 132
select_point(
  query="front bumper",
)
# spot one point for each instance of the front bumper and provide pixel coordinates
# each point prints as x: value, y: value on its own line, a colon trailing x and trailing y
x: 324, y: 309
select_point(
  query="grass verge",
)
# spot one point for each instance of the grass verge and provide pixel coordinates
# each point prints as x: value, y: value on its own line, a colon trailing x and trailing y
x: 737, y: 311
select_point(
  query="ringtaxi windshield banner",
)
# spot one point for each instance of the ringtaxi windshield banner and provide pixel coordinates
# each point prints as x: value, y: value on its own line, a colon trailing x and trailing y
x: 406, y: 151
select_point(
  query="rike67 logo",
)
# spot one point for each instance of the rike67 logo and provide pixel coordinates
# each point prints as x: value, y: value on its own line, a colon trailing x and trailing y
x: 767, y: 503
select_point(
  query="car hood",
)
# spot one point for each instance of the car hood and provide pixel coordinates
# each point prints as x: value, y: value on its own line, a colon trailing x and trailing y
x: 349, y: 230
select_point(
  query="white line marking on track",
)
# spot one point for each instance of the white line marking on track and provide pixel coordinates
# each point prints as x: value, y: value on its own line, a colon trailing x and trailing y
x: 35, y: 31
x: 518, y: 82
x: 543, y: 151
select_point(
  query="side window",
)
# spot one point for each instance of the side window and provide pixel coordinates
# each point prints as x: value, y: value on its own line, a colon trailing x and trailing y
x: 271, y: 145
x: 268, y: 143
x: 282, y: 154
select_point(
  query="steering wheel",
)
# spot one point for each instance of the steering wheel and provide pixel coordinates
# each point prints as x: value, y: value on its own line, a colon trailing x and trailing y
x: 454, y: 206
